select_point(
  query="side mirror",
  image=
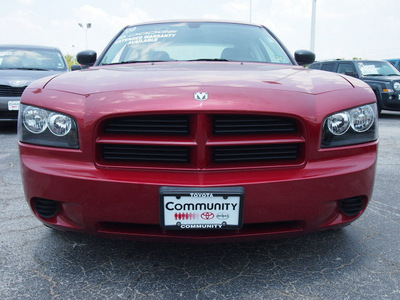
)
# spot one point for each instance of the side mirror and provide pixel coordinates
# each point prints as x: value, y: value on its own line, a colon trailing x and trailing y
x: 87, y: 57
x: 304, y: 57
x: 76, y: 67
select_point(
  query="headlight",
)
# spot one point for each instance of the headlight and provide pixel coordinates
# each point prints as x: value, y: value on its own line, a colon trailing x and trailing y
x: 35, y: 119
x: 59, y: 125
x: 350, y: 127
x: 39, y: 126
x: 396, y: 86
x: 339, y: 123
x: 362, y: 118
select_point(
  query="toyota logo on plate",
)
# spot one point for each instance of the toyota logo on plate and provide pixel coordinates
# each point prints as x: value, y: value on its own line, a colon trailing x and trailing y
x: 207, y: 215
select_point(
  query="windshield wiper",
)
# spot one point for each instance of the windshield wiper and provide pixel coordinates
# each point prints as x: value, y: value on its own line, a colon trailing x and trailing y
x: 135, y: 62
x: 393, y: 75
x: 373, y: 75
x: 34, y: 69
x: 152, y: 61
x: 208, y: 59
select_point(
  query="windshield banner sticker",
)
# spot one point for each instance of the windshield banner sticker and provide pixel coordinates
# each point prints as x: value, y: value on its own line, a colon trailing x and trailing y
x: 146, y: 37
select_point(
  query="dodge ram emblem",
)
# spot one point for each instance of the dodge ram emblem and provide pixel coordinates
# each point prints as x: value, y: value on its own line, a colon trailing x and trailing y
x: 201, y: 96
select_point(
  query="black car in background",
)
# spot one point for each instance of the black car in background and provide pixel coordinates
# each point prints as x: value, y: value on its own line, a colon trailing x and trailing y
x: 381, y: 76
x: 19, y: 66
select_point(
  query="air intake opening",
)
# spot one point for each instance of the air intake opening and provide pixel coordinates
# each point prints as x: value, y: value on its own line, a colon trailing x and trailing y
x: 46, y: 208
x: 352, y: 206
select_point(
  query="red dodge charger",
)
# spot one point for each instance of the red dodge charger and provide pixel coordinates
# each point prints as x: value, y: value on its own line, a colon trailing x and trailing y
x: 197, y: 131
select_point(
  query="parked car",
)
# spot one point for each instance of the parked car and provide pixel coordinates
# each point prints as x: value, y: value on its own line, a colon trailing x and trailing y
x: 395, y: 62
x: 197, y: 131
x: 19, y: 66
x: 381, y: 76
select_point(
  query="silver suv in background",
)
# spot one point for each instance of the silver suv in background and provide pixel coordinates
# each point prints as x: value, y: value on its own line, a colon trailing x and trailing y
x: 19, y: 66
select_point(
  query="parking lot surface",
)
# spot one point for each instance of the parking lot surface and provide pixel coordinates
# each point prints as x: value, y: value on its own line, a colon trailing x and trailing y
x: 361, y: 261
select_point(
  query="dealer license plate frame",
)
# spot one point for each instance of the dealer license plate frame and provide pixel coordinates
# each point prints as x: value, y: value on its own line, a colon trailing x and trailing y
x: 227, y: 197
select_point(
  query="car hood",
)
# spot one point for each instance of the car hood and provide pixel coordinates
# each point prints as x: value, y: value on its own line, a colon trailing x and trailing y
x: 382, y: 78
x: 20, y: 78
x: 197, y: 75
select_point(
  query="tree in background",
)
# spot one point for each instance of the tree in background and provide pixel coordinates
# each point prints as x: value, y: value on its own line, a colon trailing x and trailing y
x: 71, y: 60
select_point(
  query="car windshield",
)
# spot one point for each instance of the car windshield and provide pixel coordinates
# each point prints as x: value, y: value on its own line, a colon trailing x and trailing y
x: 377, y: 68
x: 196, y: 41
x: 31, y: 59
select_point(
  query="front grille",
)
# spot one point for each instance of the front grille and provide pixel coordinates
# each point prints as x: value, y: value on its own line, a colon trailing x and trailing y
x: 9, y: 115
x: 255, y: 153
x: 200, y: 141
x: 10, y: 91
x: 161, y: 124
x: 251, y: 124
x: 145, y: 153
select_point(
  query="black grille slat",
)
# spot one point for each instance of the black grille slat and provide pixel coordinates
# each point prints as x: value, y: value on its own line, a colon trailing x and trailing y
x: 201, y: 140
x: 255, y: 153
x: 9, y: 115
x: 145, y: 153
x: 252, y: 124
x: 10, y: 91
x: 174, y: 125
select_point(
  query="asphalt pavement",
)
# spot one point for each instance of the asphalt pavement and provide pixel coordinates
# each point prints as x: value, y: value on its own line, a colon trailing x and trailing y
x: 361, y: 261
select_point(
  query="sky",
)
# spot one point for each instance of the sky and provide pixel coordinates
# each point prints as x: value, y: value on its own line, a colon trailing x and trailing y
x: 367, y: 29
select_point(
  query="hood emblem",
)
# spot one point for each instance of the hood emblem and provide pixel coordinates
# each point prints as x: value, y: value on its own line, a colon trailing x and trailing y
x: 201, y: 96
x: 17, y: 83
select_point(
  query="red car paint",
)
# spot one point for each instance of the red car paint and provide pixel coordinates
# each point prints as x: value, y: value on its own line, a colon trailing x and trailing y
x: 122, y: 199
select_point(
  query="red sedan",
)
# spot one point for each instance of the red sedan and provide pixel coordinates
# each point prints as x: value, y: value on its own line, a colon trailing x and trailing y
x: 198, y: 131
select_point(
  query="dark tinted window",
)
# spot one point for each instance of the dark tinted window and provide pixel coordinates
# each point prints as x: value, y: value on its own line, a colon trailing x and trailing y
x: 315, y: 66
x: 328, y: 67
x: 344, y: 68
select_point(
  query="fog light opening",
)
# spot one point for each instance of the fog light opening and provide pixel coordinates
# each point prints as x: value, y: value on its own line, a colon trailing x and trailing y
x: 46, y: 208
x: 352, y: 206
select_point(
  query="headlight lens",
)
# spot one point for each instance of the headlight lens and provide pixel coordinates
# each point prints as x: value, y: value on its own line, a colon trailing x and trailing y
x: 39, y: 126
x: 350, y: 127
x: 35, y: 119
x: 362, y: 118
x: 59, y: 125
x: 396, y: 86
x: 339, y: 123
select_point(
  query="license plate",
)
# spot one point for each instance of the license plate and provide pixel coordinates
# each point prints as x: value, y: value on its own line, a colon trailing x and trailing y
x: 201, y: 208
x: 13, y: 105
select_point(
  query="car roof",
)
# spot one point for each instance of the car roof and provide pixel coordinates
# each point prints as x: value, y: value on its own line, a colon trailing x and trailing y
x: 37, y: 47
x: 349, y: 61
x: 195, y: 21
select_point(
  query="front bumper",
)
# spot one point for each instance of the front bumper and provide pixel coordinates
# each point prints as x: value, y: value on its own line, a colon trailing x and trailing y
x: 278, y: 202
x: 391, y: 101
